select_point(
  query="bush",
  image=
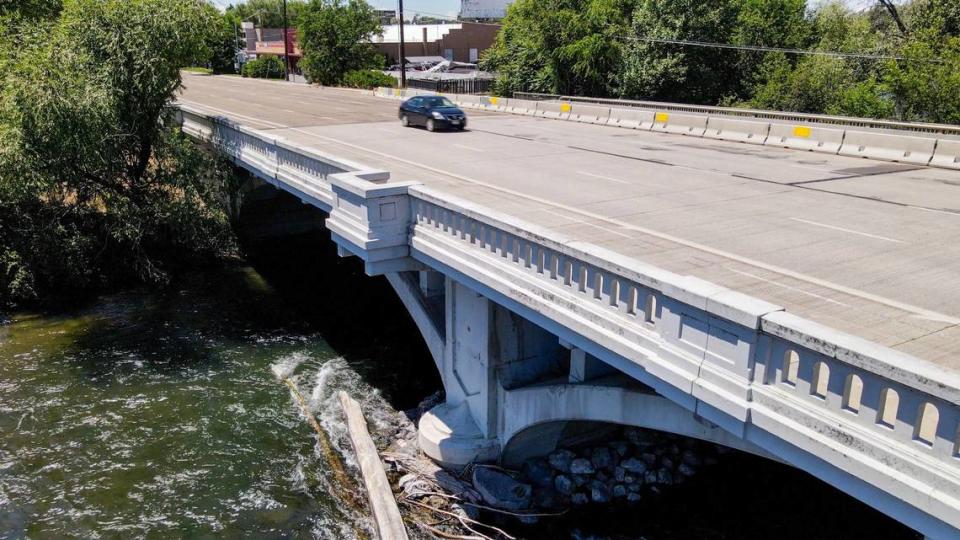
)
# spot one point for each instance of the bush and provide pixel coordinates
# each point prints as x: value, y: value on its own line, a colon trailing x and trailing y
x: 368, y: 78
x: 265, y: 67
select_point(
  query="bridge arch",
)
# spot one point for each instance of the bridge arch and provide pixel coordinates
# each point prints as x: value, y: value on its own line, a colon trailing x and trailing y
x: 540, y: 413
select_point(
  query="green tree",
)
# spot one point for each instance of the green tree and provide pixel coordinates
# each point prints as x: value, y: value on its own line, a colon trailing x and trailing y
x: 30, y: 9
x: 335, y: 37
x: 926, y: 85
x: 222, y: 40
x: 826, y: 84
x: 95, y: 186
x: 560, y: 46
x: 820, y: 85
x: 941, y: 17
x: 654, y: 70
x: 265, y: 13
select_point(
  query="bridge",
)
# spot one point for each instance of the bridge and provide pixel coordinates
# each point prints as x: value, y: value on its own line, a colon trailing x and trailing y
x: 572, y: 261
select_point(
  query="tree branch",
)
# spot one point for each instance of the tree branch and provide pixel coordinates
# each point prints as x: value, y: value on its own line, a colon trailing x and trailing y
x: 895, y: 15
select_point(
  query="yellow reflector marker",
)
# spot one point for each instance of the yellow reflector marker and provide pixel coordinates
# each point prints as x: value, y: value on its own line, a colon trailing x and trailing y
x: 801, y: 131
x: 564, y: 107
x: 661, y: 118
x: 493, y: 100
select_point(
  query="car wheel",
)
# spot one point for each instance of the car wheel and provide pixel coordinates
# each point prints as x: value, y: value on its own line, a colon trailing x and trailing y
x: 405, y: 121
x: 431, y: 126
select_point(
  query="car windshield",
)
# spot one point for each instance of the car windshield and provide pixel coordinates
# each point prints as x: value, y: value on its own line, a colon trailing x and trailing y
x: 437, y: 101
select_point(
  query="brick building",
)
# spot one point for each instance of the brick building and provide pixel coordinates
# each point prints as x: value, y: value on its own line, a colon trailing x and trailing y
x: 460, y: 41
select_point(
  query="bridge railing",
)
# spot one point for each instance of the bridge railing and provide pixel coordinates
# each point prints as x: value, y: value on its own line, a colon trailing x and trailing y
x: 882, y: 416
x: 786, y: 117
x: 301, y: 170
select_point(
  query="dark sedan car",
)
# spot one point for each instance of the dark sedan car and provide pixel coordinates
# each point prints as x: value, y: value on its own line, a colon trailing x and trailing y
x: 433, y: 112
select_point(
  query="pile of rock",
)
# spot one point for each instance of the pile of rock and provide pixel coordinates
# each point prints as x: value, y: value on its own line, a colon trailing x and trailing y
x: 627, y: 466
x: 625, y: 469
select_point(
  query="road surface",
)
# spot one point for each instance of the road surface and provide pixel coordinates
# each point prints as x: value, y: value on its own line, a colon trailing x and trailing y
x: 867, y: 247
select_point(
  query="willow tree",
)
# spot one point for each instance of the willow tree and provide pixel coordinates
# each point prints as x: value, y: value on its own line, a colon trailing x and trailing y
x: 96, y: 185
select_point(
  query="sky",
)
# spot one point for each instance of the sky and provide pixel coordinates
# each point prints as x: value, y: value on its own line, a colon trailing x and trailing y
x: 448, y: 8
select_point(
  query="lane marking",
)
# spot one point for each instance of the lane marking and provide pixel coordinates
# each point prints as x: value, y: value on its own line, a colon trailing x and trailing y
x: 936, y: 211
x: 916, y: 310
x: 582, y: 222
x: 601, y: 177
x: 778, y: 284
x: 274, y: 125
x: 851, y: 231
x: 465, y: 147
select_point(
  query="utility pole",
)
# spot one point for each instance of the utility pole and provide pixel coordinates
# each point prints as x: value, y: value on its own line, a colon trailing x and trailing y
x: 403, y: 51
x: 236, y: 46
x: 286, y: 43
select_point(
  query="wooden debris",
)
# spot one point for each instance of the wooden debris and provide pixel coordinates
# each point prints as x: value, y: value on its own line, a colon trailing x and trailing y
x: 386, y: 514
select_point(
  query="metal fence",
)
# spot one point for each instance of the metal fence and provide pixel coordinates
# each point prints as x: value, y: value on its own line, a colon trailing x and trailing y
x: 452, y: 86
x: 919, y: 127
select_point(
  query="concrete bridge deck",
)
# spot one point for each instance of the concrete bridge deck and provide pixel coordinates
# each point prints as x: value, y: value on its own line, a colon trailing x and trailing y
x: 867, y: 247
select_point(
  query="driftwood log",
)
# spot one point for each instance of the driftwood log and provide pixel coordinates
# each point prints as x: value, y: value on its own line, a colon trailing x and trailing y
x: 386, y: 514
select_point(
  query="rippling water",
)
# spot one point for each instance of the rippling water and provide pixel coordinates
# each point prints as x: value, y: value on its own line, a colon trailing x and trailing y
x: 161, y: 414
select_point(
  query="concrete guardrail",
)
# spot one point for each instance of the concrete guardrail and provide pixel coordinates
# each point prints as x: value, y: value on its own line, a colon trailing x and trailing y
x: 557, y: 110
x: 901, y: 148
x: 802, y: 137
x: 756, y: 114
x: 947, y: 154
x: 470, y: 102
x: 631, y: 119
x: 943, y: 153
x: 745, y: 131
x: 522, y: 106
x: 589, y: 114
x: 494, y: 103
x: 680, y: 124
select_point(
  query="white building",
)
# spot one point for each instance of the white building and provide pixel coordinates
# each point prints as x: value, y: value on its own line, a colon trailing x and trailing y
x: 483, y: 9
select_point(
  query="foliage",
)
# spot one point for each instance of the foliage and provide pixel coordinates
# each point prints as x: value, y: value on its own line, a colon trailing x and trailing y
x: 927, y: 91
x: 335, y: 38
x: 559, y: 46
x: 265, y: 67
x: 939, y: 17
x: 265, y: 13
x: 30, y: 9
x: 94, y: 189
x: 222, y: 43
x: 819, y: 84
x: 368, y: 78
x: 666, y: 71
x: 621, y: 48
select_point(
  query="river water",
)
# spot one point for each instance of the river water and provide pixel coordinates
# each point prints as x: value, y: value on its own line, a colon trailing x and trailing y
x: 161, y: 414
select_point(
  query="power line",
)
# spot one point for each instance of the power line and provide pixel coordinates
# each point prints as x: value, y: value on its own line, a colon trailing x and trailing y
x: 758, y: 48
x: 731, y: 46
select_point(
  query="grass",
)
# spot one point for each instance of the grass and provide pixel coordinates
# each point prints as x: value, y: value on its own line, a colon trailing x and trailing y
x: 205, y: 71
